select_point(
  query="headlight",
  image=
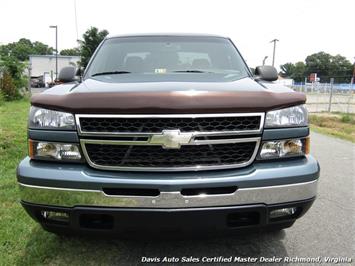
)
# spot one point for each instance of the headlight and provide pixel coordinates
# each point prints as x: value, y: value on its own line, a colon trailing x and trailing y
x: 49, y: 119
x: 296, y: 116
x: 43, y: 150
x: 284, y: 148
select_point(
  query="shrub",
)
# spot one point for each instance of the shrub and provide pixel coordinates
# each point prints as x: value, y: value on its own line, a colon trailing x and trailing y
x: 8, y: 88
x: 346, y: 118
x: 2, y: 99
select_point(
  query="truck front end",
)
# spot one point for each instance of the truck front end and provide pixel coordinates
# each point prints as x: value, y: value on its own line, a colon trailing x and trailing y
x: 165, y: 148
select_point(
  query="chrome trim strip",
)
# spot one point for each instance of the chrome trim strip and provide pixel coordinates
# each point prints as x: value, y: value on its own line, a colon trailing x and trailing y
x: 257, y: 141
x: 68, y: 197
x: 239, y: 132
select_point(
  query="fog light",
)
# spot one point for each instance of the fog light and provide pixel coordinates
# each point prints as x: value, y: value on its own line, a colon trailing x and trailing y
x: 282, y: 212
x: 53, y: 216
x: 54, y: 151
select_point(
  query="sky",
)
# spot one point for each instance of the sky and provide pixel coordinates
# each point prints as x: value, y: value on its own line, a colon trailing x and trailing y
x: 302, y: 27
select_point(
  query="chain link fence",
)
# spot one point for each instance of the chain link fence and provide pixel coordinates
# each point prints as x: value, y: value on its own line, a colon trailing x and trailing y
x: 328, y: 97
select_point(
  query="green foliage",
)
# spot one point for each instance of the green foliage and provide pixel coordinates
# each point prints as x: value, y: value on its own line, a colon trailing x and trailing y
x: 71, y: 52
x: 325, y: 65
x: 23, y: 48
x: 318, y: 63
x: 12, y: 62
x: 287, y: 69
x: 2, y: 98
x: 8, y: 88
x: 13, y: 78
x: 294, y: 71
x: 91, y: 39
x: 346, y: 118
x: 13, y: 66
x: 299, y: 71
x: 336, y: 124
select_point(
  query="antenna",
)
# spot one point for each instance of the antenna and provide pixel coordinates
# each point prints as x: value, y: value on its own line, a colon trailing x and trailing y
x: 76, y: 21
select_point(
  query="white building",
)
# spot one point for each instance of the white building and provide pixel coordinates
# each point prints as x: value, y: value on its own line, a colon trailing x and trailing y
x: 44, y: 65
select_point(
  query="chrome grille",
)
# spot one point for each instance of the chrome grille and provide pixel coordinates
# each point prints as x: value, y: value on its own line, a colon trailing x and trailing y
x: 170, y: 142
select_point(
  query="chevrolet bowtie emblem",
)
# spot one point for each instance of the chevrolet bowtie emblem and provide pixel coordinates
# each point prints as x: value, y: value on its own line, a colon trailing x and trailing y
x: 171, y: 139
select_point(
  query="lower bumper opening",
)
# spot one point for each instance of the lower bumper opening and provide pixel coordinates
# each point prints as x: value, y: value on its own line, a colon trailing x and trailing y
x: 239, y: 219
x: 96, y: 221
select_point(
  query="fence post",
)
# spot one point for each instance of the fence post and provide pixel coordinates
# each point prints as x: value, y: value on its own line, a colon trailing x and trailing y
x: 29, y: 80
x: 305, y: 86
x: 331, y: 94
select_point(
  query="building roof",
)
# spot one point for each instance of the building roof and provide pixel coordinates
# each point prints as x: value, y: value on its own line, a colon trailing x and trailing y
x: 53, y: 56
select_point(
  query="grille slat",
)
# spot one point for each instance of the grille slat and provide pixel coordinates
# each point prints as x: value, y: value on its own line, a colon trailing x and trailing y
x: 158, y: 157
x: 157, y: 125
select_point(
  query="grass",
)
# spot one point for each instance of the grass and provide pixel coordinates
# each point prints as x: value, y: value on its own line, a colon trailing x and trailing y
x: 339, y: 125
x: 22, y: 241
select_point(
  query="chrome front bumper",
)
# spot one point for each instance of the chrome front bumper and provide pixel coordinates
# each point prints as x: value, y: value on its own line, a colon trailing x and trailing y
x: 66, y: 197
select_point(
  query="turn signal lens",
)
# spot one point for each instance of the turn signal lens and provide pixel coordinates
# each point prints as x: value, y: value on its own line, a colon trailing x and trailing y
x: 30, y: 148
x: 307, y: 148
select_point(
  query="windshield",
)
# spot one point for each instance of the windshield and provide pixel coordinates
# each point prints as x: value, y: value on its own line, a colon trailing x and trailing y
x: 167, y: 54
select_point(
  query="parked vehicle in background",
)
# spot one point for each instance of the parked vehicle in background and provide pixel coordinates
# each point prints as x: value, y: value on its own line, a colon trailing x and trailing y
x: 168, y: 132
x: 37, y: 82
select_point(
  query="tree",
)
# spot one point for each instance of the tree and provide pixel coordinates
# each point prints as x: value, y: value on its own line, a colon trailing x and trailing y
x: 71, y: 52
x: 287, y: 69
x: 325, y: 65
x: 341, y: 69
x: 23, y: 48
x: 15, y: 69
x: 299, y: 71
x: 319, y: 63
x: 42, y: 49
x: 294, y: 71
x: 91, y: 39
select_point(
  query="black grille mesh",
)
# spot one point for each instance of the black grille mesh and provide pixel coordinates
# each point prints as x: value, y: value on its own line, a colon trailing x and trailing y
x: 156, y: 156
x: 157, y: 125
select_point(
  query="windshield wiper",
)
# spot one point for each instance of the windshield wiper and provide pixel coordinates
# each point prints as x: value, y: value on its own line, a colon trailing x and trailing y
x: 110, y: 73
x: 191, y: 71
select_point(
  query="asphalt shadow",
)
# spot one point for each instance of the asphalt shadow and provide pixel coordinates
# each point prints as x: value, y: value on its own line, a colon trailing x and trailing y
x: 59, y: 250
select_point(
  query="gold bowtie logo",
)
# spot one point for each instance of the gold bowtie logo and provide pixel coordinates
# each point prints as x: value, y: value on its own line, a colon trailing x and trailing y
x: 171, y: 139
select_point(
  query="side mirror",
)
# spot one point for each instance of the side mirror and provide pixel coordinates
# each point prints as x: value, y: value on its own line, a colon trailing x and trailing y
x: 67, y: 74
x: 268, y: 73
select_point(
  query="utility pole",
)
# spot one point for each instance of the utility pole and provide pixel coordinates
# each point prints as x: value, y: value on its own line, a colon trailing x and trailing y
x: 264, y: 59
x: 56, y: 50
x: 273, y: 54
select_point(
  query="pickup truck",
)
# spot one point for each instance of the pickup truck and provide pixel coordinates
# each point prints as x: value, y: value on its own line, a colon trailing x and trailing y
x: 168, y: 133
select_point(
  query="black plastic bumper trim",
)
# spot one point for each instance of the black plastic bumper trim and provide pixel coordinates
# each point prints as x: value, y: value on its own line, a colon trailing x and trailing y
x: 124, y: 221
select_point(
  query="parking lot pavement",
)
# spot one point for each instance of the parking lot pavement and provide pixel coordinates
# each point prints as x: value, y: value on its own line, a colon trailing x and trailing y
x: 327, y: 230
